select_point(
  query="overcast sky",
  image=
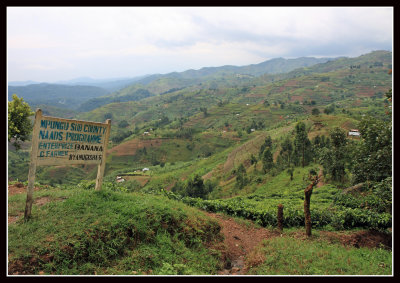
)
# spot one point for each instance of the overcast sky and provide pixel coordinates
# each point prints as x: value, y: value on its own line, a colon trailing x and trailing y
x: 59, y: 43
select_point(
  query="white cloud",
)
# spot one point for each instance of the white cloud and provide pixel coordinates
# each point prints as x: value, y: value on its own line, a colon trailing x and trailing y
x: 30, y: 41
x: 38, y: 67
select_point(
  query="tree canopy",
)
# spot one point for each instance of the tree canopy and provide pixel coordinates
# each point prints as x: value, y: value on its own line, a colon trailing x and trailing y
x: 267, y: 160
x: 19, y: 125
x: 373, y: 156
x: 333, y: 158
x: 302, y: 145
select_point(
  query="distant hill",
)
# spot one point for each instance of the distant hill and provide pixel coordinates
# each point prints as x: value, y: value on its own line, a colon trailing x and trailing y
x: 273, y: 66
x: 347, y: 82
x: 370, y: 60
x: 208, y: 77
x: 62, y: 96
x: 134, y: 95
x: 22, y: 83
x: 86, y: 94
x: 111, y: 84
x: 108, y: 84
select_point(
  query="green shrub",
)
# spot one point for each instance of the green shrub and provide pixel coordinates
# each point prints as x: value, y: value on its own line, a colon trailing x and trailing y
x: 111, y: 232
x: 338, y: 217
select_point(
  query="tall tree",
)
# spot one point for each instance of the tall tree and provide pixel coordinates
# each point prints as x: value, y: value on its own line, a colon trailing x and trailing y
x: 333, y: 159
x: 195, y: 187
x: 302, y: 145
x: 267, y: 159
x: 19, y: 125
x: 287, y: 150
x: 253, y: 160
x: 241, y: 177
x: 318, y: 143
x: 267, y: 143
x: 373, y: 156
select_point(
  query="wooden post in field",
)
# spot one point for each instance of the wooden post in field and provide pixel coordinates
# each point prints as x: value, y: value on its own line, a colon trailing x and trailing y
x: 307, y: 213
x: 280, y: 217
x: 102, y: 165
x: 58, y: 141
x: 32, y: 165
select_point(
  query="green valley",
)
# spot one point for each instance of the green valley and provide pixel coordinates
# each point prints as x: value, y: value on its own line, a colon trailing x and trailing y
x: 232, y: 141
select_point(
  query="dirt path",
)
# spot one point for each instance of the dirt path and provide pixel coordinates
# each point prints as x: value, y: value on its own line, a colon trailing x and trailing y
x: 240, y: 240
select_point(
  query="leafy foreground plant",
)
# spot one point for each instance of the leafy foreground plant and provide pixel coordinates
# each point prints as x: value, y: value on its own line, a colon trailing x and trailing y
x: 291, y: 256
x: 108, y: 232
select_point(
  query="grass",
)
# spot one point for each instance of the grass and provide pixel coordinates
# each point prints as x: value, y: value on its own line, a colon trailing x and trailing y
x: 107, y: 232
x: 86, y: 232
x: 291, y: 256
x: 290, y: 193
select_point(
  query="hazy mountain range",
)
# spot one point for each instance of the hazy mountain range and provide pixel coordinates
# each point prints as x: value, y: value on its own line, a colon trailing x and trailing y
x: 72, y: 94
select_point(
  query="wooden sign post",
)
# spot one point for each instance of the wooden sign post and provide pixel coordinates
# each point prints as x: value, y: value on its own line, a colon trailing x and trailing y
x: 57, y: 141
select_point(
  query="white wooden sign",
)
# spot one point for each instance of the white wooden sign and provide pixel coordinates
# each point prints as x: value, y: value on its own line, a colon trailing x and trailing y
x: 58, y: 141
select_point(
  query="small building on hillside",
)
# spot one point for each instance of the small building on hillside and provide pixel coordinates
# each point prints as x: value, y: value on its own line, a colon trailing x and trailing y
x: 354, y: 132
x: 120, y: 179
x: 145, y: 169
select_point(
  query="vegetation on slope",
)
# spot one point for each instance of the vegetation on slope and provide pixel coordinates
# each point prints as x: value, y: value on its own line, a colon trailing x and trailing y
x: 76, y: 231
x: 110, y: 232
x: 240, y: 149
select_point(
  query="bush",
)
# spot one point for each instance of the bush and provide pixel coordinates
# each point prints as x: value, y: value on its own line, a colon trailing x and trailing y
x: 19, y: 124
x: 123, y: 124
x: 121, y: 135
x: 338, y: 217
x: 87, y: 185
x: 377, y: 199
x: 315, y: 111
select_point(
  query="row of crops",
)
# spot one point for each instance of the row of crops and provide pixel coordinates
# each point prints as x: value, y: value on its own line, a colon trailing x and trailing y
x: 338, y: 217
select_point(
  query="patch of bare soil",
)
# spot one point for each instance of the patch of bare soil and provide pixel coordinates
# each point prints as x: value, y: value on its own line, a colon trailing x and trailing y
x: 19, y: 188
x: 18, y: 267
x: 41, y: 201
x: 358, y: 239
x: 13, y: 219
x: 240, y: 240
x: 364, y: 238
x: 130, y: 147
x: 142, y: 180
